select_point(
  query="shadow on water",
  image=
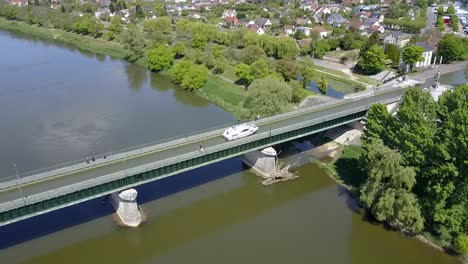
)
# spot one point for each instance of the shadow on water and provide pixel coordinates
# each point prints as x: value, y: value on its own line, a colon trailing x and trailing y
x: 57, y: 220
x: 136, y: 76
x: 330, y: 91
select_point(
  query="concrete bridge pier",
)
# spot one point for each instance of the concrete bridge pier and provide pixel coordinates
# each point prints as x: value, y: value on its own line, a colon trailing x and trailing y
x: 263, y: 161
x: 126, y: 207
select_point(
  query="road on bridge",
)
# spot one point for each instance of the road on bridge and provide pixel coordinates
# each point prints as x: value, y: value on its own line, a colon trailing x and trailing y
x: 212, y: 139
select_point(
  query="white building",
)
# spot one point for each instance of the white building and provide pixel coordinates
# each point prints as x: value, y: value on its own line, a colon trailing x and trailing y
x: 427, y: 57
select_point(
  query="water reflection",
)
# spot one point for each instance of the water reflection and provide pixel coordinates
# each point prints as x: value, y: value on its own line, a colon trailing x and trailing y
x: 189, y: 98
x: 136, y: 76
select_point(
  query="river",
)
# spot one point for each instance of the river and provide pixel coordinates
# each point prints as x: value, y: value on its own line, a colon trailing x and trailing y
x: 58, y: 104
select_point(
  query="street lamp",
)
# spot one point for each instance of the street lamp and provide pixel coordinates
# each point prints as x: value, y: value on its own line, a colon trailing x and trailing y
x: 18, y: 179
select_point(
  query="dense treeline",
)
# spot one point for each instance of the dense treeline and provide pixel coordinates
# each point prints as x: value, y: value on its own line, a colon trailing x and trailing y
x: 417, y: 165
x: 51, y: 18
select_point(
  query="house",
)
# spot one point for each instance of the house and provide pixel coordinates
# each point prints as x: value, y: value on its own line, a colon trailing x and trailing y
x: 380, y: 18
x: 427, y: 55
x: 289, y: 29
x: 323, y: 33
x: 336, y: 20
x: 397, y: 38
x: 303, y: 21
x: 377, y: 28
x: 370, y: 22
x: 263, y: 23
x: 19, y: 2
x: 257, y: 29
x: 305, y: 30
x: 101, y: 12
x: 231, y: 21
x: 351, y: 2
x: 355, y: 25
x: 245, y: 22
x: 229, y: 13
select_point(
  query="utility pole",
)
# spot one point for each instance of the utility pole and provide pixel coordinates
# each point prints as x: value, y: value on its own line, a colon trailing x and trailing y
x: 17, y: 180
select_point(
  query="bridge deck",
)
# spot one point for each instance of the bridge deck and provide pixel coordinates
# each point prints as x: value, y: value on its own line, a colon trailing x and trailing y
x: 11, y: 192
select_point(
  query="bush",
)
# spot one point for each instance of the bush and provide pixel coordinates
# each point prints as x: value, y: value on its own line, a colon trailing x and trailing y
x: 218, y: 69
x: 461, y: 244
x: 160, y: 58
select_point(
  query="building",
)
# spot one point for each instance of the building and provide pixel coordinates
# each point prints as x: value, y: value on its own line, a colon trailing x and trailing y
x: 397, y: 38
x: 427, y: 55
x: 229, y: 13
x: 231, y: 21
x: 336, y: 20
x: 289, y: 29
x: 322, y: 32
x: 19, y: 2
x: 305, y: 30
x: 101, y: 12
x: 263, y: 23
x: 303, y: 21
x: 257, y: 29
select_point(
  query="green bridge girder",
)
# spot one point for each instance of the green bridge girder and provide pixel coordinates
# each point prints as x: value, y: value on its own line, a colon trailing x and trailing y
x: 29, y: 210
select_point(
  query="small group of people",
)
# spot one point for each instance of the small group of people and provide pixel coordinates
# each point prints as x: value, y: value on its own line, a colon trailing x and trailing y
x: 93, y: 159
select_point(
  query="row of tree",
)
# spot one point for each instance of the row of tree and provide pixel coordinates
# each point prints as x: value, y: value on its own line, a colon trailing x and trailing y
x: 417, y: 165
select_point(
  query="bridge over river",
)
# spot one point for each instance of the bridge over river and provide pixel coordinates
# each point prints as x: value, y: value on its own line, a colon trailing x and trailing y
x: 42, y: 191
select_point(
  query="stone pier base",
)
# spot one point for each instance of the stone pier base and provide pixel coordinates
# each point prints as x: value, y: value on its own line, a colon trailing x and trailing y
x: 263, y: 161
x: 126, y: 207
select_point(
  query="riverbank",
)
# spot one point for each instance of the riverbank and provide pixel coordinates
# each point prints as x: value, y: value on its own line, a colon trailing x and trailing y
x: 222, y: 93
x: 344, y: 171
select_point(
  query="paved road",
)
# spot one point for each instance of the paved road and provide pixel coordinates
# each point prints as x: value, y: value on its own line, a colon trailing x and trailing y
x: 209, y: 141
x: 444, y: 68
x: 431, y: 19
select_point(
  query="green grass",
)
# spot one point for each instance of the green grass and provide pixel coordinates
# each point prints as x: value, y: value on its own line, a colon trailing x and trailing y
x: 346, y: 168
x: 82, y: 42
x: 223, y: 94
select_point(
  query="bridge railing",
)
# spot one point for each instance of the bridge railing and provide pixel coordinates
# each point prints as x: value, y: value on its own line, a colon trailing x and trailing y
x: 31, y: 176
x: 357, y: 106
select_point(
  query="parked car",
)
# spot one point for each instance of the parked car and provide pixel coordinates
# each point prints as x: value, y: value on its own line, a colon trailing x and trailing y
x: 239, y: 131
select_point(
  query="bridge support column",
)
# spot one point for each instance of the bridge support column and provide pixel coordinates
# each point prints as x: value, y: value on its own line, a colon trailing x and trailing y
x: 126, y: 207
x: 263, y: 161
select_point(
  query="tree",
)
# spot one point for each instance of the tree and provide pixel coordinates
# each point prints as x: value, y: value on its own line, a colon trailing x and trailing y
x: 319, y: 48
x: 461, y: 244
x: 195, y: 78
x: 308, y: 75
x: 393, y: 53
x: 440, y: 23
x: 387, y: 190
x: 199, y: 41
x: 451, y: 10
x: 267, y: 96
x: 139, y: 11
x: 322, y: 85
x: 243, y: 72
x: 260, y: 69
x: 411, y: 55
x: 288, y: 69
x: 133, y: 42
x: 157, y: 25
x: 217, y: 51
x: 178, y: 49
x: 450, y: 48
x: 371, y: 41
x: 179, y: 70
x: 115, y: 27
x: 160, y: 58
x: 440, y: 11
x: 373, y: 61
x: 286, y: 48
x: 377, y: 126
x: 455, y: 23
x: 252, y: 53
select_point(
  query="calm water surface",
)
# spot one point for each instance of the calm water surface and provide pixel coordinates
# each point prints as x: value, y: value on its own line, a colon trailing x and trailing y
x: 57, y: 105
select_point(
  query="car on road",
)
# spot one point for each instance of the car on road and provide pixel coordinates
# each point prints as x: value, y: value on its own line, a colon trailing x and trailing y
x: 239, y: 131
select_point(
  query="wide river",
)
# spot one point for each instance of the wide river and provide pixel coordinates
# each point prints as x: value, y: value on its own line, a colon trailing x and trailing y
x: 58, y: 104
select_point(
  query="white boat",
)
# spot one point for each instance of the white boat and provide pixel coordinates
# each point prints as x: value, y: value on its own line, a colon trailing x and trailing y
x: 239, y: 131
